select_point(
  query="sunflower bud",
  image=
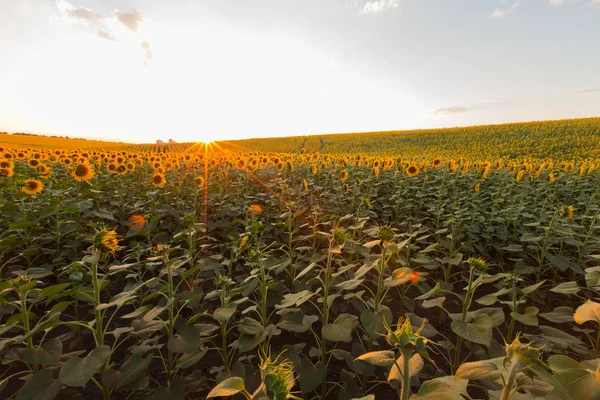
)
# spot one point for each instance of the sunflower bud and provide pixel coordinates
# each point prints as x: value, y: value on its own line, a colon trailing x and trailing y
x: 385, y: 233
x: 521, y: 355
x: 478, y: 263
x: 278, y: 377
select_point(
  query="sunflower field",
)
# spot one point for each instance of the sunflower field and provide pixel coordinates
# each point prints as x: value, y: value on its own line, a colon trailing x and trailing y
x: 442, y: 264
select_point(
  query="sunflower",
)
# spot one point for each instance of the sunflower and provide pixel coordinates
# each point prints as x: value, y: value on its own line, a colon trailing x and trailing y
x: 313, y: 169
x: 130, y: 166
x: 550, y: 178
x: 136, y: 222
x: 44, y: 170
x: 343, y: 175
x: 121, y: 169
x: 111, y: 168
x: 158, y: 180
x: 280, y: 166
x: 6, y: 172
x: 376, y: 171
x: 33, y: 186
x: 106, y: 241
x: 33, y: 163
x: 412, y: 170
x: 520, y: 175
x: 83, y: 172
x: 305, y: 185
x: 4, y: 164
x: 67, y: 161
x: 241, y: 163
x: 477, y: 187
x: 569, y: 212
x: 255, y: 210
x: 437, y: 163
x: 8, y: 156
x: 199, y: 181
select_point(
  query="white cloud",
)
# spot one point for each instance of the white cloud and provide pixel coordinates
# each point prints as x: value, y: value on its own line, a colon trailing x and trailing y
x: 82, y: 15
x: 130, y: 20
x: 500, y: 13
x: 378, y: 6
x: 556, y: 2
x: 147, y: 52
x: 450, y: 110
x: 585, y: 91
x: 107, y: 36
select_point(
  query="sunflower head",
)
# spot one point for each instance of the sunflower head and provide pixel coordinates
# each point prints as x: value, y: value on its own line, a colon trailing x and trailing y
x: 105, y: 241
x: 521, y: 355
x: 437, y: 163
x: 199, y: 182
x: 385, y: 233
x: 412, y: 170
x: 550, y: 179
x: 478, y: 263
x: 477, y: 187
x: 305, y: 185
x: 32, y: 186
x: 83, y: 172
x: 158, y: 180
x: 6, y: 172
x: 569, y: 212
x: 343, y: 175
x: 255, y: 210
x: 278, y: 377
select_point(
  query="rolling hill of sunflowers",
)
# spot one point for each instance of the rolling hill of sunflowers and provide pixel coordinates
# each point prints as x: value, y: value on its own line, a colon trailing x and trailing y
x: 441, y: 264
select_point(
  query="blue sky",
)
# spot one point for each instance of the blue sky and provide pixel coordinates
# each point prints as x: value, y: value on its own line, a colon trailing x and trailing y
x: 190, y: 70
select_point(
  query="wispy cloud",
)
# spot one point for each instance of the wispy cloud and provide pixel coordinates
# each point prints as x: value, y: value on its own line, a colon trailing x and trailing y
x: 584, y: 91
x: 85, y: 16
x: 107, y: 36
x: 147, y: 52
x: 500, y: 13
x: 130, y: 20
x: 451, y: 110
x: 378, y: 6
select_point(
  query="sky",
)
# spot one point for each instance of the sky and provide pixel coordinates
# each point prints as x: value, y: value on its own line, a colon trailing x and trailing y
x: 203, y: 70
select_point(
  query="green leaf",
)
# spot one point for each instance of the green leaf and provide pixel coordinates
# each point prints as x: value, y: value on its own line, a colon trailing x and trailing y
x: 311, y: 375
x: 250, y: 326
x: 566, y: 288
x: 186, y: 342
x: 530, y: 289
x: 437, y: 302
x: 592, y: 276
x: 559, y: 315
x: 295, y: 299
x: 373, y: 322
x: 478, y: 370
x: 435, y: 290
x: 248, y: 342
x: 383, y: 358
x: 47, y: 353
x: 229, y: 387
x: 78, y: 371
x: 415, y: 366
x: 529, y: 317
x: 341, y: 329
x: 132, y: 369
x: 174, y: 392
x: 576, y: 380
x: 41, y: 386
x: 436, y: 389
x: 224, y: 314
x: 560, y: 262
x: 478, y: 331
